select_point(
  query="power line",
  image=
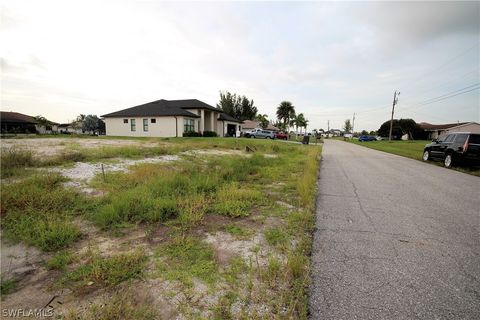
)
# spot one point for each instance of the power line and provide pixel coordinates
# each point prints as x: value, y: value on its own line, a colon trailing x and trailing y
x: 467, y: 87
x: 447, y: 62
x: 445, y: 96
x: 476, y: 70
x: 454, y: 95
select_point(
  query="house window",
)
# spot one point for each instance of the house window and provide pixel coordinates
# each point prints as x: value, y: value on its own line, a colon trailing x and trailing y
x: 188, y: 125
x: 133, y: 126
x: 145, y: 125
x: 125, y: 120
x: 153, y: 120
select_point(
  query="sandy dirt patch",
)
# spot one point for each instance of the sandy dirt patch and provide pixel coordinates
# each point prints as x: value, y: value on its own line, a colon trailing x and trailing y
x: 82, y: 173
x: 227, y: 246
x: 54, y: 146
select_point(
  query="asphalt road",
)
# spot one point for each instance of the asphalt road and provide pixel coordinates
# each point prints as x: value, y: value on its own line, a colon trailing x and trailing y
x: 396, y: 238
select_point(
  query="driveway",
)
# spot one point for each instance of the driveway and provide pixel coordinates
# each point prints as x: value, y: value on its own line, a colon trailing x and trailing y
x: 396, y: 238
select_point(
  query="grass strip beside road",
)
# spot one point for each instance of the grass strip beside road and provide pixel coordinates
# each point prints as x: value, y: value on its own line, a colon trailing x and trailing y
x: 411, y: 149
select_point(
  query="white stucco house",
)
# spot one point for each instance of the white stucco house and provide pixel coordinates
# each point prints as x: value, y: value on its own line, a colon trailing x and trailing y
x: 170, y: 118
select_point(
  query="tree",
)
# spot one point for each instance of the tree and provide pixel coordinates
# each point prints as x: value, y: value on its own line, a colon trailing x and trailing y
x: 91, y: 123
x: 43, y: 122
x: 263, y: 118
x: 364, y: 132
x: 401, y: 127
x: 347, y: 127
x: 239, y: 107
x: 78, y: 122
x: 285, y: 112
x: 301, y: 122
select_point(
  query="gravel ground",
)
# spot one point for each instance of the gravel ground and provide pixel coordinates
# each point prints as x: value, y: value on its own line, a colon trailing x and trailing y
x: 396, y: 238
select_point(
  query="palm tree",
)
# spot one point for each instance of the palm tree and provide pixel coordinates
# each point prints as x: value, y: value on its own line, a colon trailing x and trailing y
x: 285, y: 111
x: 293, y: 122
x: 263, y: 118
x: 300, y: 121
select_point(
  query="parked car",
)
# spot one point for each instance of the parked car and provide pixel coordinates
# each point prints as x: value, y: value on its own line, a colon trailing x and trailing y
x: 454, y: 148
x: 260, y: 133
x: 367, y: 138
x: 281, y: 135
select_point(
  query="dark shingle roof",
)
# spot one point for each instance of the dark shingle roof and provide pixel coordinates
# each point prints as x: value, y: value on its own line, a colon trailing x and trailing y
x: 16, y: 117
x: 227, y: 117
x: 428, y: 126
x: 163, y: 107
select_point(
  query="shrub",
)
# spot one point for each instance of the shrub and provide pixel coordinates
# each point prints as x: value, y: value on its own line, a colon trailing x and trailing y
x: 192, y: 134
x: 210, y: 134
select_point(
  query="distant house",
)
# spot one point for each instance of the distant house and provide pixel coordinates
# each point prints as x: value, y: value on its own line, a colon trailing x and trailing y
x: 433, y: 131
x: 170, y: 118
x: 15, y: 122
x: 473, y: 127
x: 252, y: 124
x: 69, y: 128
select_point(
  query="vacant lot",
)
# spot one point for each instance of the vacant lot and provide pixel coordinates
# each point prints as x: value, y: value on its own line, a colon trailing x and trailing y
x: 157, y: 228
x: 409, y: 149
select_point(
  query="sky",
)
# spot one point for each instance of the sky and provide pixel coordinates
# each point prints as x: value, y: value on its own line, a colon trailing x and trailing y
x: 330, y: 59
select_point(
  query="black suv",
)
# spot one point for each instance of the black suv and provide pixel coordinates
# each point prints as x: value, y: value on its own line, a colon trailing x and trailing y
x: 454, y: 148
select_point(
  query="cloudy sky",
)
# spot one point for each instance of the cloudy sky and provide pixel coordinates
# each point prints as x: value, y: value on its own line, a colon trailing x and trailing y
x: 330, y: 59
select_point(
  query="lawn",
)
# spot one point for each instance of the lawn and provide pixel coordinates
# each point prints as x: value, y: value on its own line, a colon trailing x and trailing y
x: 197, y: 228
x: 410, y: 149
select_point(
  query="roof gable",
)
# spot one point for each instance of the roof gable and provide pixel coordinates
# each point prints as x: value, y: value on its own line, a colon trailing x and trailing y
x: 159, y: 108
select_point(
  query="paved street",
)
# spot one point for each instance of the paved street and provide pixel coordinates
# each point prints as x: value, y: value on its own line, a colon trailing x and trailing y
x: 396, y: 238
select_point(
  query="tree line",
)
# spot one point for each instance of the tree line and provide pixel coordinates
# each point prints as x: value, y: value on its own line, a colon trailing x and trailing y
x: 242, y: 108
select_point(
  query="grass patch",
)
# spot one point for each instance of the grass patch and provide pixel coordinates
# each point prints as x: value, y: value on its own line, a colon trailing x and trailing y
x: 276, y: 237
x: 411, y: 149
x: 13, y: 161
x: 60, y: 260
x: 234, y: 201
x: 125, y: 304
x: 110, y: 271
x: 7, y: 286
x: 184, y: 259
x: 38, y: 211
x: 237, y: 231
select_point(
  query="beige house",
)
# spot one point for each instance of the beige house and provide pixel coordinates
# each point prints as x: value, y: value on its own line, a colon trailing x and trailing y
x: 473, y: 127
x: 434, y: 131
x: 170, y: 118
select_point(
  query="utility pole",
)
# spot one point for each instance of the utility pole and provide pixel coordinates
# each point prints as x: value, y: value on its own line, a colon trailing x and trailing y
x: 328, y: 125
x: 353, y: 124
x: 395, y: 100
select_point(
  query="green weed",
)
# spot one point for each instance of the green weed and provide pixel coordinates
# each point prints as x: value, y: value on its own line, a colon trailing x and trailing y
x: 14, y: 160
x: 60, y: 260
x: 276, y: 237
x: 7, y: 285
x: 37, y: 211
x: 110, y: 271
x: 184, y: 259
x: 124, y: 304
